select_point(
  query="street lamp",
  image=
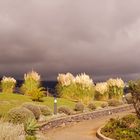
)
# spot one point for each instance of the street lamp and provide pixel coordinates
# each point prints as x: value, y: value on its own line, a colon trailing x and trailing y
x: 55, y: 106
x: 124, y: 99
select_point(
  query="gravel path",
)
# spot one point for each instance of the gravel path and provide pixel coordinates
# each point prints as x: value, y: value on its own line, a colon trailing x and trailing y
x: 85, y: 130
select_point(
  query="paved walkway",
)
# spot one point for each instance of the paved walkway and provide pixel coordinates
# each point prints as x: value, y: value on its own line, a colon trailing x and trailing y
x: 81, y: 131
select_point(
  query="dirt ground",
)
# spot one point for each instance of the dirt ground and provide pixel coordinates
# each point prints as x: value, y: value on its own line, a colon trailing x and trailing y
x: 85, y: 130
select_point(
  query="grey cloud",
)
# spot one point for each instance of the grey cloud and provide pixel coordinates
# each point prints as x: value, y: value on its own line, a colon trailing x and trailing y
x: 98, y: 37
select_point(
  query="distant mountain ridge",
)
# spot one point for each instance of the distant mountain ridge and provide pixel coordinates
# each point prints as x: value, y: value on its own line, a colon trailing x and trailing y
x: 46, y: 84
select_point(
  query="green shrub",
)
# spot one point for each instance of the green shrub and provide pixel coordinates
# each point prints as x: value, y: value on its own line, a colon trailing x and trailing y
x: 65, y: 110
x: 79, y: 107
x: 34, y: 108
x: 130, y: 120
x: 127, y: 128
x: 19, y: 115
x: 129, y: 98
x: 91, y: 106
x: 9, y: 131
x: 101, y: 97
x: 30, y: 127
x: 45, y: 110
x: 104, y: 105
x: 114, y: 102
x: 37, y: 94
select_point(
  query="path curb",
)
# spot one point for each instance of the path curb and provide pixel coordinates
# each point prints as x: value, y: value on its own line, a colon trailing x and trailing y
x: 101, y: 136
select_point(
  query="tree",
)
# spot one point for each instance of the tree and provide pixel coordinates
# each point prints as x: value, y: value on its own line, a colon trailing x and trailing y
x: 135, y: 91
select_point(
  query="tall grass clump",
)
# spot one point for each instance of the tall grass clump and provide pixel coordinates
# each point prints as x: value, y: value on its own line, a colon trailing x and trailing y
x: 85, y: 88
x: 101, y: 91
x: 79, y: 88
x: 32, y: 86
x: 9, y: 131
x: 116, y: 87
x: 8, y: 84
x: 31, y: 81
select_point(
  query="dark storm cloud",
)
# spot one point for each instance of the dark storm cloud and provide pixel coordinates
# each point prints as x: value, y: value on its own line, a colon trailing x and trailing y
x: 101, y: 38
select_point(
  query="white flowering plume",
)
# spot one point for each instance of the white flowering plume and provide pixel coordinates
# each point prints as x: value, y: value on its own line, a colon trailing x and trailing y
x: 101, y: 87
x: 65, y: 79
x: 116, y: 83
x: 84, y: 80
x: 8, y: 79
x: 32, y: 75
x: 79, y: 88
x: 8, y: 84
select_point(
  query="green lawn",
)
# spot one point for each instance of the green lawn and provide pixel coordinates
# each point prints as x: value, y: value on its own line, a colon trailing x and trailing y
x: 8, y: 101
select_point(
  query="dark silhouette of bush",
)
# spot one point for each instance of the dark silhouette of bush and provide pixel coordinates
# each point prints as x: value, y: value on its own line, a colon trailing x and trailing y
x: 135, y: 90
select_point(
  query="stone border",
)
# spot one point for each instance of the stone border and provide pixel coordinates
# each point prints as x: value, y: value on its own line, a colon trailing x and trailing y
x: 84, y: 116
x: 101, y: 136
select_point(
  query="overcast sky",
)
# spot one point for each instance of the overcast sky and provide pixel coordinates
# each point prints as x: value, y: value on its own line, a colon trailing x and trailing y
x: 99, y: 37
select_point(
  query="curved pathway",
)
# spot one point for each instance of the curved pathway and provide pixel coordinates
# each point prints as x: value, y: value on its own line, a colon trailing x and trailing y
x: 85, y: 130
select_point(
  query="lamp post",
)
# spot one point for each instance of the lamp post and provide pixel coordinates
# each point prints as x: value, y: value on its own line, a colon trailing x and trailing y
x: 55, y: 106
x: 124, y: 99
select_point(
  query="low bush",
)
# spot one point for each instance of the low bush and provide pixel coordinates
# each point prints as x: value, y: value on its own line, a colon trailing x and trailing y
x: 65, y: 110
x: 91, y: 106
x: 127, y: 128
x: 34, y: 108
x: 19, y: 115
x: 104, y: 105
x: 100, y: 97
x: 45, y: 110
x: 9, y: 131
x: 79, y: 107
x: 129, y: 98
x: 114, y: 102
x: 130, y: 120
